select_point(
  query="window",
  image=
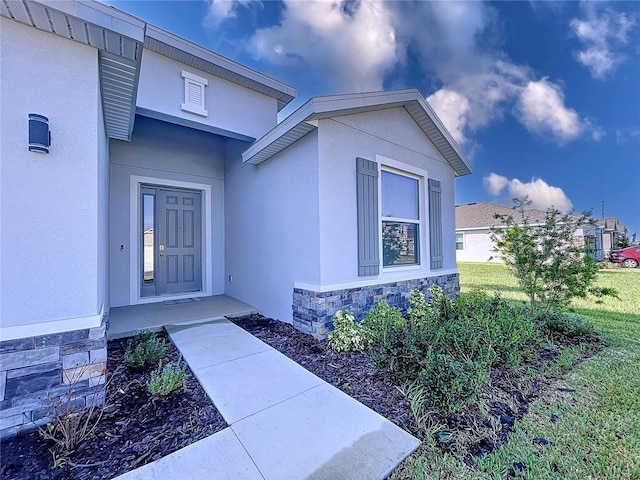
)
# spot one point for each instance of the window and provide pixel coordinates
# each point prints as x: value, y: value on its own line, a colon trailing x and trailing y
x: 400, y: 219
x: 148, y: 241
x: 194, y: 94
x: 459, y: 241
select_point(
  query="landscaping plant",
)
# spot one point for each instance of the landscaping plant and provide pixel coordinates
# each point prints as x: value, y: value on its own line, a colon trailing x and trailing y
x: 550, y: 266
x: 143, y: 349
x: 74, y: 417
x: 167, y: 379
x: 347, y: 336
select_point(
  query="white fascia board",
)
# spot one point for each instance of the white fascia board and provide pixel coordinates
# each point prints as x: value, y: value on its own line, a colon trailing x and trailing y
x: 101, y: 15
x: 302, y: 114
x: 347, y: 104
x: 445, y: 133
x: 316, y: 106
x: 209, y: 56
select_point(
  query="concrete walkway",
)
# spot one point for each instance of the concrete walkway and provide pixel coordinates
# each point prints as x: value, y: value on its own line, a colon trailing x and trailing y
x: 285, y: 423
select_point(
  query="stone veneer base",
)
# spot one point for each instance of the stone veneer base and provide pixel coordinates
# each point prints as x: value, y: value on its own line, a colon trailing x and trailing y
x: 313, y: 311
x: 37, y: 371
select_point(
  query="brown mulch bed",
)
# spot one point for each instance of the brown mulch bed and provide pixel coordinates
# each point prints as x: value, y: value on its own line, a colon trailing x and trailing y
x: 135, y: 430
x: 507, y: 396
x: 138, y: 430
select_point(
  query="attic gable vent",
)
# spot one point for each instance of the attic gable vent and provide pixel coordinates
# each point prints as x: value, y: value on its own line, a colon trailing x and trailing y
x: 194, y: 100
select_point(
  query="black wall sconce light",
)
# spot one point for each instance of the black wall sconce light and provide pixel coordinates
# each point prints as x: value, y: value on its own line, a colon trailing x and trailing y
x: 39, y: 134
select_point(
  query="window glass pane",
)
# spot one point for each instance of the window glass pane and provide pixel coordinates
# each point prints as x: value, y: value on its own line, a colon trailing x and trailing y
x: 459, y: 241
x: 399, y: 244
x: 149, y: 238
x: 399, y: 196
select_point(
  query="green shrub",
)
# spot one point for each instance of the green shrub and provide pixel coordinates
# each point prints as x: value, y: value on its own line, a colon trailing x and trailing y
x: 448, y: 382
x: 167, y: 379
x: 448, y: 346
x: 396, y: 344
x: 143, y: 349
x: 491, y: 330
x: 554, y: 323
x: 347, y: 335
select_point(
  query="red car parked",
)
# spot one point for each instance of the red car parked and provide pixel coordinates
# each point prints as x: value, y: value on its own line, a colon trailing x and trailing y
x: 628, y: 257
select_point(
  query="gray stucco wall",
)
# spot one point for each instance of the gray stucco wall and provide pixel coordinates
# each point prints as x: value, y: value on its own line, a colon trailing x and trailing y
x: 49, y: 202
x: 230, y: 106
x: 393, y: 134
x: 172, y: 153
x: 271, y: 215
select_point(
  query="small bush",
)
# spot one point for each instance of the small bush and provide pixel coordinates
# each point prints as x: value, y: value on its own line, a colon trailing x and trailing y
x: 167, y: 379
x: 143, y: 349
x: 450, y: 383
x: 347, y: 335
x: 563, y: 324
x: 396, y: 344
x: 70, y: 423
x: 447, y: 346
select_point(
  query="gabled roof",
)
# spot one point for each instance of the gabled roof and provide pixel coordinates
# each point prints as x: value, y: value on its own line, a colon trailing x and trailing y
x: 482, y: 215
x: 119, y: 38
x: 612, y: 224
x: 304, y: 120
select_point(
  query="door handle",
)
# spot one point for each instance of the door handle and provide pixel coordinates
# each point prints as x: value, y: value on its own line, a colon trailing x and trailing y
x: 161, y: 250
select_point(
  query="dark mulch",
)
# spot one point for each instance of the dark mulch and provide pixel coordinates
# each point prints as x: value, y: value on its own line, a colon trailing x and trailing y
x: 138, y: 430
x: 135, y: 430
x: 508, y: 396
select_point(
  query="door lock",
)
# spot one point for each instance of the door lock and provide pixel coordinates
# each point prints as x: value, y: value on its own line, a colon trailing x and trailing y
x: 161, y: 250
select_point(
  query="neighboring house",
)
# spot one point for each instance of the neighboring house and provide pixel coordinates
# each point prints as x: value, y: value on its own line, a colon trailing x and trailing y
x: 168, y: 176
x: 473, y: 231
x: 612, y: 231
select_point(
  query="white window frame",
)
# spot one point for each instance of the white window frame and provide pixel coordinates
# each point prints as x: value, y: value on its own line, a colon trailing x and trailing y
x: 199, y: 82
x: 393, y: 166
x: 461, y: 249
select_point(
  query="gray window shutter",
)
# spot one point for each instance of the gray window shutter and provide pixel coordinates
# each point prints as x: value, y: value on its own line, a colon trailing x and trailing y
x: 435, y: 223
x: 368, y: 238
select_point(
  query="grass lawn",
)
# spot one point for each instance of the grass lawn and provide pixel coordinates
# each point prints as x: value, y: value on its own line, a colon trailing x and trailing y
x: 597, y: 431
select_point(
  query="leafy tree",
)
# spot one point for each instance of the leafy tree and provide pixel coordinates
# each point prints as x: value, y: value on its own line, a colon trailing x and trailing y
x: 622, y: 242
x: 549, y: 264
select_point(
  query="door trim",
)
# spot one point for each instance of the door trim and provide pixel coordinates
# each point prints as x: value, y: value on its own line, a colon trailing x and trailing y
x: 135, y: 211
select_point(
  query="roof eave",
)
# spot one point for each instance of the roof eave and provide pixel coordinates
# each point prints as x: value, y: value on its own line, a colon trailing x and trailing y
x: 292, y: 128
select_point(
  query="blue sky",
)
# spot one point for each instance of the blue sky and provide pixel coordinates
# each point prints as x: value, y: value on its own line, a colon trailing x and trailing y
x: 544, y: 97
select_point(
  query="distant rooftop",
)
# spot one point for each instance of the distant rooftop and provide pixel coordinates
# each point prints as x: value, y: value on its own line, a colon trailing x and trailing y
x: 482, y: 215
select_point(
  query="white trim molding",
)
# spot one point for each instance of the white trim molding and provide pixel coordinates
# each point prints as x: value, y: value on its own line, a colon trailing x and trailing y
x: 416, y: 274
x: 135, y: 273
x: 27, y: 330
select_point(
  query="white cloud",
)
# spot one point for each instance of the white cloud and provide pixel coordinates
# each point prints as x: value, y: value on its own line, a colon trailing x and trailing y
x: 453, y: 109
x: 540, y: 108
x: 495, y: 184
x: 479, y: 83
x: 220, y: 10
x: 540, y: 193
x: 351, y: 48
x: 342, y: 46
x: 600, y: 35
x: 626, y: 135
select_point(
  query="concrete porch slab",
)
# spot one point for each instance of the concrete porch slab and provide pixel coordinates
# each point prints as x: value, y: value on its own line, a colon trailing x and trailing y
x: 129, y: 320
x: 323, y: 434
x: 218, y: 457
